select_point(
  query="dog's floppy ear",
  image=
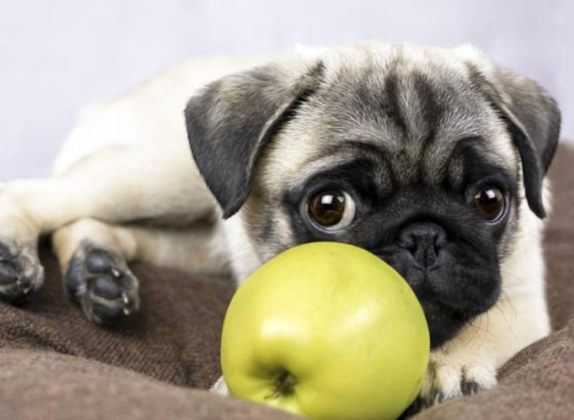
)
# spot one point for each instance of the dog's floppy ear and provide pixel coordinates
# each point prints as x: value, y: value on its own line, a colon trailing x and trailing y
x: 232, y: 120
x: 533, y: 121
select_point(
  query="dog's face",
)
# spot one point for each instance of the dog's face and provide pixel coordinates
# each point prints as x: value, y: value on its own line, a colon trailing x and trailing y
x: 424, y: 157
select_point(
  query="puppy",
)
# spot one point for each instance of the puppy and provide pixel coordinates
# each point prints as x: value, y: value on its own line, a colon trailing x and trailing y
x: 432, y: 159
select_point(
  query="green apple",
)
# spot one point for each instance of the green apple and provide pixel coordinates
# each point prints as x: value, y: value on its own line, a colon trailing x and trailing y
x: 328, y: 331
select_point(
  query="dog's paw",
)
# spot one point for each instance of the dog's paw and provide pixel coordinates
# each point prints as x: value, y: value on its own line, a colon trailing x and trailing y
x: 20, y: 271
x: 448, y: 378
x: 102, y: 283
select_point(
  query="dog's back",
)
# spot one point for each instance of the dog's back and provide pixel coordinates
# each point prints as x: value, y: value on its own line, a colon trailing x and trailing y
x: 151, y: 115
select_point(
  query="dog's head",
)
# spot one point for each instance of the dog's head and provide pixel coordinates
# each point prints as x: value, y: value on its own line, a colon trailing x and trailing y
x: 429, y: 158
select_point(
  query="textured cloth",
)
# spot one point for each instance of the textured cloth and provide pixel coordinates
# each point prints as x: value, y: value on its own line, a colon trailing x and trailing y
x: 54, y: 364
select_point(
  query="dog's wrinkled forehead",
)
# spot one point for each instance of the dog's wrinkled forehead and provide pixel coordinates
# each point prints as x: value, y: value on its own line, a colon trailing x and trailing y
x: 412, y: 103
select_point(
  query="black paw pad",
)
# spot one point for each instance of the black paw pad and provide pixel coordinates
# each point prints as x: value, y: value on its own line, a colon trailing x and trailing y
x: 20, y: 273
x: 103, y: 285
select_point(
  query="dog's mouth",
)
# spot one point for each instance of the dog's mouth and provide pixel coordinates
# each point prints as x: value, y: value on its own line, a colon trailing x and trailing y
x: 451, y: 293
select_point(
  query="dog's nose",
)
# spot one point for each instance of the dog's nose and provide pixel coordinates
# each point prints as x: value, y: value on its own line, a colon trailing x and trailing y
x: 424, y: 241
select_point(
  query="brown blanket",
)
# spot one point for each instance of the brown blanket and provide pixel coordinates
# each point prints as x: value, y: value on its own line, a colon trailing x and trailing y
x: 56, y: 365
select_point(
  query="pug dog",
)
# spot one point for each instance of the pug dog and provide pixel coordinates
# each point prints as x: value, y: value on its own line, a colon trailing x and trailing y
x: 433, y: 159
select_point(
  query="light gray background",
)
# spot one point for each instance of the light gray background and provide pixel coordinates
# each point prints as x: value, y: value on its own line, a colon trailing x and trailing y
x: 56, y: 55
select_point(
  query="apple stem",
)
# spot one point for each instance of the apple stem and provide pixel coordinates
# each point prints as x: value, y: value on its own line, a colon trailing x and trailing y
x: 284, y: 385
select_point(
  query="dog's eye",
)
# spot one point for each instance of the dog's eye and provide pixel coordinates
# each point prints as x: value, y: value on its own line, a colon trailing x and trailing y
x: 332, y: 210
x: 491, y: 203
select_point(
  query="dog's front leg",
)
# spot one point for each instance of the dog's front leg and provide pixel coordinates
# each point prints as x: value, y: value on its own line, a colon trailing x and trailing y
x: 468, y: 363
x: 113, y: 186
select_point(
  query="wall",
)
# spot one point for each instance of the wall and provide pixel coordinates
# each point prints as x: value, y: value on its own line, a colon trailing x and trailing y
x: 55, y: 55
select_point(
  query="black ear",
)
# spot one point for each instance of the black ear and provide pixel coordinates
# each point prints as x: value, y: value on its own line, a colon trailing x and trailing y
x: 233, y: 119
x: 533, y: 120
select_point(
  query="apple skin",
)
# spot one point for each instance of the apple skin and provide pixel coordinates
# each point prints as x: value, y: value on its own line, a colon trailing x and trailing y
x: 328, y: 331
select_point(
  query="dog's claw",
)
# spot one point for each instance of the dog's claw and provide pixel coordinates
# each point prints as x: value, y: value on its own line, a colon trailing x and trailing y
x: 439, y: 397
x: 470, y: 387
x: 416, y: 407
